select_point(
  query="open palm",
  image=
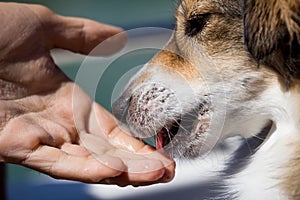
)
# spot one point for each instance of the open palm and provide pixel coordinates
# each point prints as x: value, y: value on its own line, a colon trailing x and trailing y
x: 47, y: 122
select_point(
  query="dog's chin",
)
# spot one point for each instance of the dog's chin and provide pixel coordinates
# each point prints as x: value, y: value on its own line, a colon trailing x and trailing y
x: 197, y: 145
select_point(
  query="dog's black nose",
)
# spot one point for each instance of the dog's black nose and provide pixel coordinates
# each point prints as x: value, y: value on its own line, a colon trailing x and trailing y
x: 120, y: 107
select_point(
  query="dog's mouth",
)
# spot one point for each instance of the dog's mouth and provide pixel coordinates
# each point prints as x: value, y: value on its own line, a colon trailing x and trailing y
x: 163, y: 137
x: 166, y: 134
x: 185, y: 126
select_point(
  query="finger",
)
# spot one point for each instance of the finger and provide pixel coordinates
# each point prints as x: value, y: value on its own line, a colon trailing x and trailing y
x: 58, y: 132
x: 124, y: 180
x: 124, y: 141
x: 144, y: 170
x: 83, y: 35
x: 75, y: 150
x: 97, y: 146
x: 152, y: 167
x: 102, y: 123
x: 142, y: 178
x: 59, y: 164
x: 19, y: 137
x: 138, y: 179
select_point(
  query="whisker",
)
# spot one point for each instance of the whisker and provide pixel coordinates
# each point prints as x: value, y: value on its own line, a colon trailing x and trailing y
x: 256, y: 136
x: 249, y: 147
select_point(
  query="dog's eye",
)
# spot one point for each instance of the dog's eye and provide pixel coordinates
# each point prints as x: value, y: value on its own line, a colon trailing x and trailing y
x: 195, y: 24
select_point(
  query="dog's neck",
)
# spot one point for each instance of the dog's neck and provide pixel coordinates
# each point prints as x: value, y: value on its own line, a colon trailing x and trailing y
x: 274, y: 170
x: 291, y: 177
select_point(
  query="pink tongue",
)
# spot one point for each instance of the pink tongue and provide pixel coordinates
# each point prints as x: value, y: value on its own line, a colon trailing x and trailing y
x: 159, y: 143
x: 159, y: 140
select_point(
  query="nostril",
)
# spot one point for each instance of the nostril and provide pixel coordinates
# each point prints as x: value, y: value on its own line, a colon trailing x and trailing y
x: 120, y: 107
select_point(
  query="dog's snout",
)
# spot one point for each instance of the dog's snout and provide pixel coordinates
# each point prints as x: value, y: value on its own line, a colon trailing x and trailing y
x: 147, y: 109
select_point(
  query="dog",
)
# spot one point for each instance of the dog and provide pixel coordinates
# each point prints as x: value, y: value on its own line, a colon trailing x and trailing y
x: 231, y: 68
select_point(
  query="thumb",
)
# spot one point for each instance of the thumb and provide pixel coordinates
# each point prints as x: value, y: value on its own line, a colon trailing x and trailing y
x: 83, y: 35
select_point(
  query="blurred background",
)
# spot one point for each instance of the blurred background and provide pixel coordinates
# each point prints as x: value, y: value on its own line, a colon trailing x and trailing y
x: 23, y: 183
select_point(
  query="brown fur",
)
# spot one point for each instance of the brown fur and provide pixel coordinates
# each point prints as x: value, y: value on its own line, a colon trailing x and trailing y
x: 291, y: 179
x: 174, y: 62
x: 223, y: 25
x: 141, y: 79
x: 272, y: 34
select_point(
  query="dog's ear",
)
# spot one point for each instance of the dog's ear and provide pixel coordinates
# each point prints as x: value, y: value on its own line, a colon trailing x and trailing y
x: 272, y: 27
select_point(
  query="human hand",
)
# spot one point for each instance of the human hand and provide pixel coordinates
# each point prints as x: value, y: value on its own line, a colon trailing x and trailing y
x: 47, y: 122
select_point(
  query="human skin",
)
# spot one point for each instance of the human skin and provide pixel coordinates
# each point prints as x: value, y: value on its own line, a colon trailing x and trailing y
x: 47, y: 122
